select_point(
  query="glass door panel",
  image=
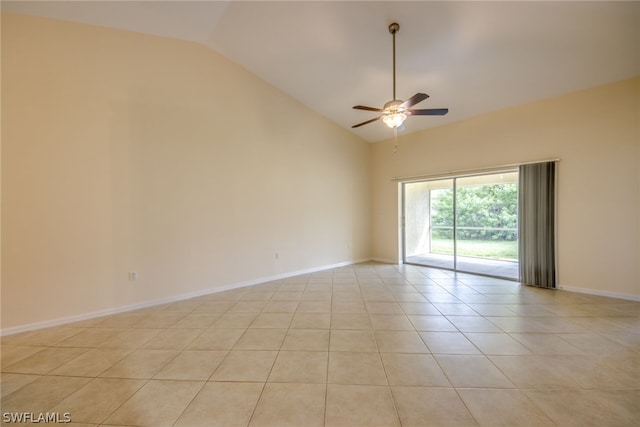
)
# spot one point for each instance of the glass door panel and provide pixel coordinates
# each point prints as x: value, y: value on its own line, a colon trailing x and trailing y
x: 428, y: 223
x: 487, y: 224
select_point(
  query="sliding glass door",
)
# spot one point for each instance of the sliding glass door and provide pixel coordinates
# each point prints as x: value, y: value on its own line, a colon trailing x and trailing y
x: 466, y: 223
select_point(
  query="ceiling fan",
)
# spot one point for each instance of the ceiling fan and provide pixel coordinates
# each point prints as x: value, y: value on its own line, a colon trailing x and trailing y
x: 396, y: 111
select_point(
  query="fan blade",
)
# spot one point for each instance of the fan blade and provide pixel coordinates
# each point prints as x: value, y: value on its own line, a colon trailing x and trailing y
x: 362, y: 107
x: 418, y: 97
x: 430, y: 112
x: 367, y: 122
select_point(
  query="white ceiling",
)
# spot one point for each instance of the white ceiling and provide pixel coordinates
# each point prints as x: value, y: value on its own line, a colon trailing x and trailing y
x: 471, y: 57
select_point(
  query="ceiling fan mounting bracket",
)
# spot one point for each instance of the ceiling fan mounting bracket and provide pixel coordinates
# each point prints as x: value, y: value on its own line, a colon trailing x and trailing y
x: 393, y: 28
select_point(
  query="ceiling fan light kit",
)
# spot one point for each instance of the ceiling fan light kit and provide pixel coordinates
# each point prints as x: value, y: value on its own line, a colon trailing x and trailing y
x: 396, y: 111
x: 394, y: 114
x: 394, y: 120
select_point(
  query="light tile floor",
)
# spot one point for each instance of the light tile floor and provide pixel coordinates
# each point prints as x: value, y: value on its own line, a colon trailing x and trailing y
x: 364, y: 345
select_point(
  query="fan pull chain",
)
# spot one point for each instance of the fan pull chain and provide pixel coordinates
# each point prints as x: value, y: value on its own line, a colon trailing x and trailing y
x: 395, y: 137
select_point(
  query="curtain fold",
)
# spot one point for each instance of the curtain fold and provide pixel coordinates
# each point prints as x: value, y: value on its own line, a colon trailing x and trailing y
x: 537, y: 224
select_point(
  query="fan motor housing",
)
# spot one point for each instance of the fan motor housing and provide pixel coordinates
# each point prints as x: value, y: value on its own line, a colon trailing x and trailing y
x: 393, y: 105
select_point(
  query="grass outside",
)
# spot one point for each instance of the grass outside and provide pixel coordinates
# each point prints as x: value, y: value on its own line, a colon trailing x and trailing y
x: 496, y: 249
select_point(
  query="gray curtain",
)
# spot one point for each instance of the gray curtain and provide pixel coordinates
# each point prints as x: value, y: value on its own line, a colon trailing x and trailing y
x: 537, y: 224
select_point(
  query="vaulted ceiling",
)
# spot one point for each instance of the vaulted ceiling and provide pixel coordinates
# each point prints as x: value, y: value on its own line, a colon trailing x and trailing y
x: 471, y: 57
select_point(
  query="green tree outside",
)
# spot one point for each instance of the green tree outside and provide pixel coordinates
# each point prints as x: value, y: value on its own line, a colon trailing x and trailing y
x: 487, y: 220
x: 479, y: 210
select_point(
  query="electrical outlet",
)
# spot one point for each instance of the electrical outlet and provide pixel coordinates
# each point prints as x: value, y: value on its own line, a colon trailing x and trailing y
x: 133, y: 276
x: 277, y: 255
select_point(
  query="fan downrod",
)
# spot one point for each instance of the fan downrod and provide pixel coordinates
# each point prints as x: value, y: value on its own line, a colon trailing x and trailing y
x: 393, y: 29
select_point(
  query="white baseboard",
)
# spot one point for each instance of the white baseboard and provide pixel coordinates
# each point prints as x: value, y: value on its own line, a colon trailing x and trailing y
x: 387, y: 261
x: 122, y: 309
x: 618, y: 295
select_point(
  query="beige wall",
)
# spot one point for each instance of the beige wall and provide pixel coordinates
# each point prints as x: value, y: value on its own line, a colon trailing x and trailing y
x: 125, y: 152
x: 595, y: 133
